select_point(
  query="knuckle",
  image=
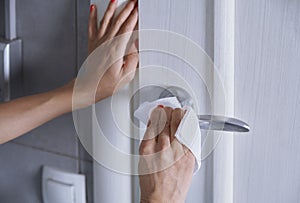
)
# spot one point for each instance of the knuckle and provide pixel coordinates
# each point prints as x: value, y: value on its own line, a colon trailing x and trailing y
x: 164, y: 145
x: 119, y: 22
x: 166, y: 135
x: 144, y: 149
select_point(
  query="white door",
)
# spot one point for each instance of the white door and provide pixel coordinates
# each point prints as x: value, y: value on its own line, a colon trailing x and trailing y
x: 202, y: 30
x: 267, y: 92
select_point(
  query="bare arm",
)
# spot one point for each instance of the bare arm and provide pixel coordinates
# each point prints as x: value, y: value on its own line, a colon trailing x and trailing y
x: 24, y: 114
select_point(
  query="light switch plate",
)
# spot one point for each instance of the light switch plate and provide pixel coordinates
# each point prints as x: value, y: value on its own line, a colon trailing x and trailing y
x: 62, y: 187
x: 10, y: 69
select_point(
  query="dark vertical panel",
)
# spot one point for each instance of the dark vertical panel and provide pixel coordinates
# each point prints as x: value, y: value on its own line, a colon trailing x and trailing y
x: 2, y: 15
x: 47, y: 29
x: 82, y: 30
x: 49, y: 43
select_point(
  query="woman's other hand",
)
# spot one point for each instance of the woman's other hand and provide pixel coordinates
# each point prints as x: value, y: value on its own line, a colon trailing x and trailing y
x: 166, y: 166
x: 111, y: 26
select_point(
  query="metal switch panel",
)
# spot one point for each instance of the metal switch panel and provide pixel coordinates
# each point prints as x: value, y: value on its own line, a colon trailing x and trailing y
x: 10, y: 52
x: 10, y: 69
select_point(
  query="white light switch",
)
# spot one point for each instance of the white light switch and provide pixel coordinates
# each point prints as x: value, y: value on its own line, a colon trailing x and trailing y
x: 62, y: 187
x: 59, y: 192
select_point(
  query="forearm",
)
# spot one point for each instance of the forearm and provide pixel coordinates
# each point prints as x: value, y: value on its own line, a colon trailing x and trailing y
x: 160, y: 199
x: 22, y: 115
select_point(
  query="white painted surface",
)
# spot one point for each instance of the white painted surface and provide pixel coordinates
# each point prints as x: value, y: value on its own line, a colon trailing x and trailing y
x: 193, y: 19
x: 267, y: 95
x: 110, y: 186
x: 224, y: 53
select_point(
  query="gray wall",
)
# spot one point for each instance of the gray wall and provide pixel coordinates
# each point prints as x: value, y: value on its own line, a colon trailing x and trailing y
x: 267, y: 81
x: 2, y: 33
x: 54, y: 46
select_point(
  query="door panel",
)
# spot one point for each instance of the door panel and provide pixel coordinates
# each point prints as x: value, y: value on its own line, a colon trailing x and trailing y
x: 193, y: 20
x: 267, y: 81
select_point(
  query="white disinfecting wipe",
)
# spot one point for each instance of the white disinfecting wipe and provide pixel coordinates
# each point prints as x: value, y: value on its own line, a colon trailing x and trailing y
x: 188, y: 132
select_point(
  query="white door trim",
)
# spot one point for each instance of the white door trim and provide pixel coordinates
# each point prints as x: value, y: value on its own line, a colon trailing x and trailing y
x: 224, y: 29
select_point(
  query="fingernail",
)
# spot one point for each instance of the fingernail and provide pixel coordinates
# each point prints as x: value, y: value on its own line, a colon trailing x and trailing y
x: 112, y: 1
x: 160, y: 106
x: 92, y: 7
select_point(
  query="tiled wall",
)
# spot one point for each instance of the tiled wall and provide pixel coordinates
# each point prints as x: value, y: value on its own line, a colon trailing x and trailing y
x: 54, y: 46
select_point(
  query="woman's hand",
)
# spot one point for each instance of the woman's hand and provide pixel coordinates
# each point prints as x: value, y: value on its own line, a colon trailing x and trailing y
x: 172, y: 183
x: 123, y: 70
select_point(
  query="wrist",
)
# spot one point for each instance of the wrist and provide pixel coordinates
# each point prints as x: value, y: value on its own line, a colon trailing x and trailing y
x: 161, y: 199
x: 62, y: 98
